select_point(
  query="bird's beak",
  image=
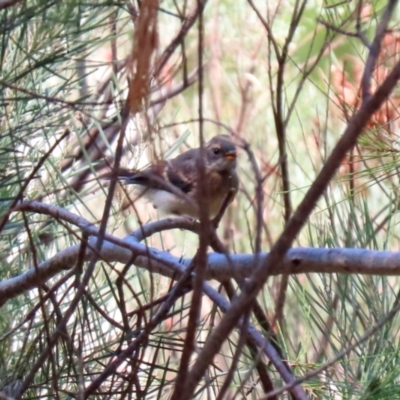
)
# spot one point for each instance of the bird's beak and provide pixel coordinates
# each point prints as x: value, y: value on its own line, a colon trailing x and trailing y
x: 231, y: 155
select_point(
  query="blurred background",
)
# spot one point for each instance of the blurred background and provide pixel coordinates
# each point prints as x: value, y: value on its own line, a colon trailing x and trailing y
x: 283, y: 79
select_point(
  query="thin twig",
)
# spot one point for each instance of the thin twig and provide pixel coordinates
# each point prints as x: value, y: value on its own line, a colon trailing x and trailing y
x: 375, y: 50
x: 258, y: 279
x: 341, y: 354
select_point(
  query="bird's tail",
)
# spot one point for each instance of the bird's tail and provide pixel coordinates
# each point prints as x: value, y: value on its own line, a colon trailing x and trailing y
x: 128, y: 176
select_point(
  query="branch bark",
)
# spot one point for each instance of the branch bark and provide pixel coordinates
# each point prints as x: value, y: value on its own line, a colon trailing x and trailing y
x: 239, y: 266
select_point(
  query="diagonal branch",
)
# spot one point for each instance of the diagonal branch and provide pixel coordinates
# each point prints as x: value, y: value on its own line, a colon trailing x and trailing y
x: 258, y: 279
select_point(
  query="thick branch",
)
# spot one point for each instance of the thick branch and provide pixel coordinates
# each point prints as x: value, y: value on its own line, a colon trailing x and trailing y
x: 297, y: 261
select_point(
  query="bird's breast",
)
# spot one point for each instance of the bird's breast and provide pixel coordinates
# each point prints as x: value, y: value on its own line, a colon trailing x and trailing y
x: 170, y: 203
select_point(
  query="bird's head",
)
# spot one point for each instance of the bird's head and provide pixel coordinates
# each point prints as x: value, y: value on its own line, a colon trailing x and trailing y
x: 221, y: 153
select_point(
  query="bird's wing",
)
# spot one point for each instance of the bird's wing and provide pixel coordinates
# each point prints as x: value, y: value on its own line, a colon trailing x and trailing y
x: 181, y: 171
x: 179, y: 180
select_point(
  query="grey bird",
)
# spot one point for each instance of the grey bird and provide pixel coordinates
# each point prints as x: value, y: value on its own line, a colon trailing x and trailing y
x: 174, y: 186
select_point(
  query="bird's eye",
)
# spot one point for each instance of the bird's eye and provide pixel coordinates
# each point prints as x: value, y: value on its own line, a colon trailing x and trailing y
x: 216, y: 150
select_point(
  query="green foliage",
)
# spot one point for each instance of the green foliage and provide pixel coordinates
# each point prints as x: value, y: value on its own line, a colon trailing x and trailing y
x: 61, y: 96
